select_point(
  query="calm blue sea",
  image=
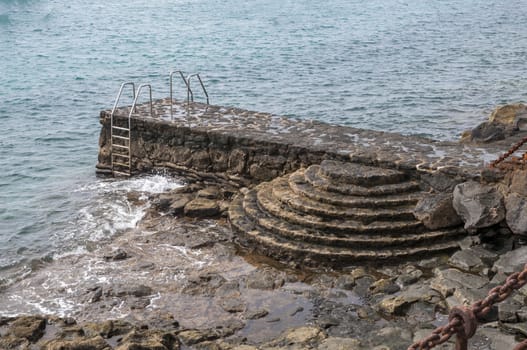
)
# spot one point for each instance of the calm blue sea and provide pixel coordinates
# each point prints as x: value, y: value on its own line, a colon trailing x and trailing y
x: 423, y: 67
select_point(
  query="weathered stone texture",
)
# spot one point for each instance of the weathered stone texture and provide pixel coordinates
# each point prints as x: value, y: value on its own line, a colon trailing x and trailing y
x: 478, y: 205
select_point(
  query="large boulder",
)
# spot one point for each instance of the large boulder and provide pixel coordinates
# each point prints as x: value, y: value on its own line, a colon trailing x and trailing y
x: 503, y: 122
x: 478, y: 205
x: 509, y: 114
x: 516, y: 217
x: 436, y: 211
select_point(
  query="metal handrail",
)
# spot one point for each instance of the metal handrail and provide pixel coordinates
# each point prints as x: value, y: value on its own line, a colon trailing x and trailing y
x: 135, y: 101
x: 189, y: 91
x: 121, y: 92
x: 190, y: 76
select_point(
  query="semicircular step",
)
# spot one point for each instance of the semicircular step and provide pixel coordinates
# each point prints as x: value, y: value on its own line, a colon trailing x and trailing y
x: 358, y: 174
x: 303, y: 188
x: 313, y: 254
x: 312, y: 176
x: 348, y: 226
x: 283, y: 193
x: 302, y: 234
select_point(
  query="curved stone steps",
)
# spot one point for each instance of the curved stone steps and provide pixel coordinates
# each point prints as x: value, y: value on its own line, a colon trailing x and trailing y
x: 283, y: 193
x: 292, y: 232
x: 360, y: 175
x: 301, y: 187
x: 346, y: 226
x: 311, y: 175
x: 313, y: 254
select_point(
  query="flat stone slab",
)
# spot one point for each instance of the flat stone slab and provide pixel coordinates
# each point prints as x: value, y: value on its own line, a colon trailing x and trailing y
x: 361, y: 175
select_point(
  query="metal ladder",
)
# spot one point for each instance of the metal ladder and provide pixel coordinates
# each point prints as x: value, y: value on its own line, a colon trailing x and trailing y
x: 190, y: 96
x: 121, y: 154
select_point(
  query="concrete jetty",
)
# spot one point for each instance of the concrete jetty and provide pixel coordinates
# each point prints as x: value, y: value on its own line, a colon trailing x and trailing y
x: 317, y: 192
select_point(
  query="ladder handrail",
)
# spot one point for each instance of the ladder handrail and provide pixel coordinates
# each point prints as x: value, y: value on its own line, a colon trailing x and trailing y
x: 190, y: 76
x: 121, y: 92
x: 113, y: 113
x: 135, y: 101
x: 189, y: 91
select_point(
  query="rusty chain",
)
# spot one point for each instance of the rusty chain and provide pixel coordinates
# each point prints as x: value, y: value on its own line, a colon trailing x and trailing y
x: 506, y: 155
x: 463, y: 321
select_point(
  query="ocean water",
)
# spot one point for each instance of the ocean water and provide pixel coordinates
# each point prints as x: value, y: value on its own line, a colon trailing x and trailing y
x: 432, y: 68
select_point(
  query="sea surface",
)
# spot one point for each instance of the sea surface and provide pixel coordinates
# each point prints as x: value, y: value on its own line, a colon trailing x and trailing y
x: 432, y: 68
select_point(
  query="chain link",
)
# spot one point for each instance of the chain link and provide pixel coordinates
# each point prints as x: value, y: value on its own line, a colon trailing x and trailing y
x: 506, y: 155
x: 463, y: 321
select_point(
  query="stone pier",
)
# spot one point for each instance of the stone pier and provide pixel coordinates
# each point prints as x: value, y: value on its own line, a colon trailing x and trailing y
x: 317, y: 191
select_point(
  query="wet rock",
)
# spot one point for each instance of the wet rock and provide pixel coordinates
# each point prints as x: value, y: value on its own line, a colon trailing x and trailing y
x: 256, y: 314
x: 436, y: 211
x: 478, y: 205
x: 233, y: 305
x: 94, y: 343
x: 336, y: 343
x: 265, y: 279
x: 201, y: 208
x: 135, y: 291
x: 203, y: 283
x: 516, y: 217
x: 194, y: 336
x: 118, y: 254
x: 149, y: 340
x: 28, y: 327
x: 511, y: 262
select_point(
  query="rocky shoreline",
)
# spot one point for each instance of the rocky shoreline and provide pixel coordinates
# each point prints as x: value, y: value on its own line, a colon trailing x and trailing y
x: 180, y: 282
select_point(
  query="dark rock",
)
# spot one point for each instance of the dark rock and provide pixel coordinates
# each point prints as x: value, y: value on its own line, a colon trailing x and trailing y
x: 466, y: 260
x: 516, y: 217
x: 149, y: 340
x: 233, y: 305
x: 487, y: 132
x: 178, y: 205
x: 211, y: 192
x: 478, y: 205
x: 10, y: 342
x: 106, y: 329
x: 435, y: 211
x: 28, y: 327
x: 385, y: 286
x: 203, y: 283
x: 409, y: 275
x: 448, y: 281
x: 507, y: 311
x: 346, y: 282
x: 511, y: 262
x: 202, y: 207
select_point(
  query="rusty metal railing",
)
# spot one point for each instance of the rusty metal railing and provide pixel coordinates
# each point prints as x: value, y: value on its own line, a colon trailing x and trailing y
x: 463, y: 321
